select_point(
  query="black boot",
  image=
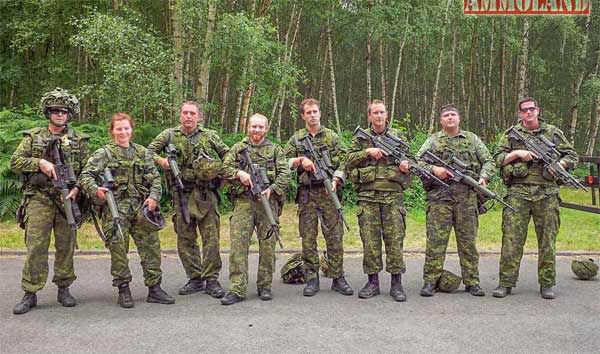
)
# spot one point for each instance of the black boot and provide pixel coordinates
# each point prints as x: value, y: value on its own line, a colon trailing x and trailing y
x: 65, y: 298
x: 475, y: 290
x: 428, y: 290
x: 125, y: 300
x: 312, y: 287
x: 502, y: 291
x: 341, y: 286
x: 231, y: 298
x: 192, y: 286
x: 265, y: 294
x: 371, y: 288
x: 547, y: 292
x: 158, y: 296
x: 214, y: 289
x: 396, y: 290
x: 28, y: 301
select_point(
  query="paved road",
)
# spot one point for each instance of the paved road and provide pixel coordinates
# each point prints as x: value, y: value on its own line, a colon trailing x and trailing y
x: 291, y: 323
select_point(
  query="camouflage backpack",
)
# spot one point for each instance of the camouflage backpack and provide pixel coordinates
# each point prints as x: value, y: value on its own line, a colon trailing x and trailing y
x: 585, y: 269
x: 448, y: 281
x: 292, y: 271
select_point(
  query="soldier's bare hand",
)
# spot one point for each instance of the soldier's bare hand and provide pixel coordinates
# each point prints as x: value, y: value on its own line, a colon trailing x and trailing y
x: 483, y: 182
x: 441, y: 172
x: 526, y: 155
x: 101, y: 193
x: 375, y: 153
x: 47, y: 168
x: 267, y: 193
x: 164, y: 163
x: 308, y: 165
x: 334, y: 184
x: 73, y: 193
x: 403, y: 167
x: 151, y: 203
x: 244, y: 178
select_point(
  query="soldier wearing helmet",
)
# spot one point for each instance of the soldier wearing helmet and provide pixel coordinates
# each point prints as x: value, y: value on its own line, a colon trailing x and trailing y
x: 41, y: 210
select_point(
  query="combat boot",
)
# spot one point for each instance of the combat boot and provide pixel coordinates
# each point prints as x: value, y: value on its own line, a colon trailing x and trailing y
x: 65, y: 298
x: 231, y: 298
x: 265, y: 294
x: 125, y: 300
x: 341, y: 286
x: 428, y: 290
x: 192, y: 286
x: 396, y: 290
x: 474, y: 290
x: 214, y: 289
x: 371, y: 288
x: 312, y: 287
x: 158, y: 296
x: 28, y: 301
x: 502, y: 291
x: 547, y: 292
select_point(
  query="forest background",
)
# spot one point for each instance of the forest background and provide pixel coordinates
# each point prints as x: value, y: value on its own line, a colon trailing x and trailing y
x: 237, y: 57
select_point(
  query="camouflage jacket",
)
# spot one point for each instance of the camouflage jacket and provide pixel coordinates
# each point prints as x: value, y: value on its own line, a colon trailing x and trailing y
x: 467, y: 147
x: 528, y: 178
x: 193, y: 151
x: 325, y: 138
x: 32, y: 149
x: 370, y: 175
x: 268, y: 156
x: 134, y: 172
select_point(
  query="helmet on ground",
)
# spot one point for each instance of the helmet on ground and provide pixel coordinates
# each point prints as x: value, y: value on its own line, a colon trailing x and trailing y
x: 448, y: 281
x: 59, y: 98
x: 292, y: 271
x: 150, y: 221
x: 584, y: 269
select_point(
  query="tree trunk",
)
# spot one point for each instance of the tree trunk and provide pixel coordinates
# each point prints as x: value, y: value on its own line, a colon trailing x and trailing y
x: 369, y: 95
x: 382, y: 71
x: 524, y: 59
x: 224, y: 97
x: 174, y: 12
x: 489, y: 96
x: 332, y: 75
x: 503, y: 69
x: 589, y: 151
x: 578, y: 81
x: 439, y: 70
x: 393, y: 102
x: 204, y: 72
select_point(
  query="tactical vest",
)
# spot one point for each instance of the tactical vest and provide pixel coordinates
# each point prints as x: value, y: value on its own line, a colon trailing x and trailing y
x: 464, y: 151
x: 321, y: 142
x: 132, y: 180
x: 264, y: 156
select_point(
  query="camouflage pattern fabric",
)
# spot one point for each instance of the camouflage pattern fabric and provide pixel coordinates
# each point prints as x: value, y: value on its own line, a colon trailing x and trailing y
x: 248, y: 214
x: 456, y: 208
x: 381, y: 212
x: 315, y: 207
x: 199, y: 158
x: 136, y: 179
x: 533, y: 196
x: 292, y: 272
x: 43, y: 210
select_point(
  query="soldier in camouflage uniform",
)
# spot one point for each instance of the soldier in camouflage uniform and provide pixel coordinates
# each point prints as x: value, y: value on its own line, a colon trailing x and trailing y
x: 381, y: 213
x: 248, y: 213
x: 314, y: 205
x: 42, y: 210
x: 200, y: 151
x: 455, y: 208
x: 533, y: 192
x: 137, y: 183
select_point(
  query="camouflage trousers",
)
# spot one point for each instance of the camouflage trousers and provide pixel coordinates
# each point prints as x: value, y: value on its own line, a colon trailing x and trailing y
x: 204, y: 213
x: 248, y: 215
x: 43, y: 217
x: 379, y: 221
x: 545, y: 213
x: 147, y: 244
x: 441, y: 218
x: 314, y: 207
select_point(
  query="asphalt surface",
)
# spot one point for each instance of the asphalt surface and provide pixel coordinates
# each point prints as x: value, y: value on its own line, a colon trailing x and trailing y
x: 291, y: 323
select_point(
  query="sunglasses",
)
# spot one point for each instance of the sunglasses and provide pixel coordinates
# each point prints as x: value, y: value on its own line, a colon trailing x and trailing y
x: 59, y: 111
x: 530, y: 109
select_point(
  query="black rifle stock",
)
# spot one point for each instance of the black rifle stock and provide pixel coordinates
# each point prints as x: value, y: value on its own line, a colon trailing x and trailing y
x: 176, y: 173
x: 320, y: 175
x: 108, y: 182
x: 260, y: 182
x: 396, y: 150
x: 546, y: 152
x: 459, y: 174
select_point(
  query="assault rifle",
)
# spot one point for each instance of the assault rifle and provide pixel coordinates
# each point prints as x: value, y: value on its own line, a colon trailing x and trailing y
x: 320, y: 174
x: 396, y: 150
x: 460, y: 175
x: 65, y: 179
x: 260, y: 183
x: 176, y: 172
x: 546, y: 152
x: 108, y: 182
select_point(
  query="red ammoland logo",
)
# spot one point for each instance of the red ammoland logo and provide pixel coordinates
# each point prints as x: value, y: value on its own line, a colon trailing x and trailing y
x: 527, y: 7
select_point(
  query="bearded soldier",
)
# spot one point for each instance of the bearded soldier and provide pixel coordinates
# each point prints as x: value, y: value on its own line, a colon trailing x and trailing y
x: 42, y: 210
x: 198, y: 152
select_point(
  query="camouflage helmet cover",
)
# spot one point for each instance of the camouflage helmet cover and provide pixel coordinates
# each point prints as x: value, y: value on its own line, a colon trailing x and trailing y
x: 291, y: 271
x: 584, y: 269
x: 150, y: 221
x: 448, y: 281
x: 59, y: 98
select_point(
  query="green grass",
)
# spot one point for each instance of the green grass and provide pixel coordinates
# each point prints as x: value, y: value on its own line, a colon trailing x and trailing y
x: 579, y: 230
